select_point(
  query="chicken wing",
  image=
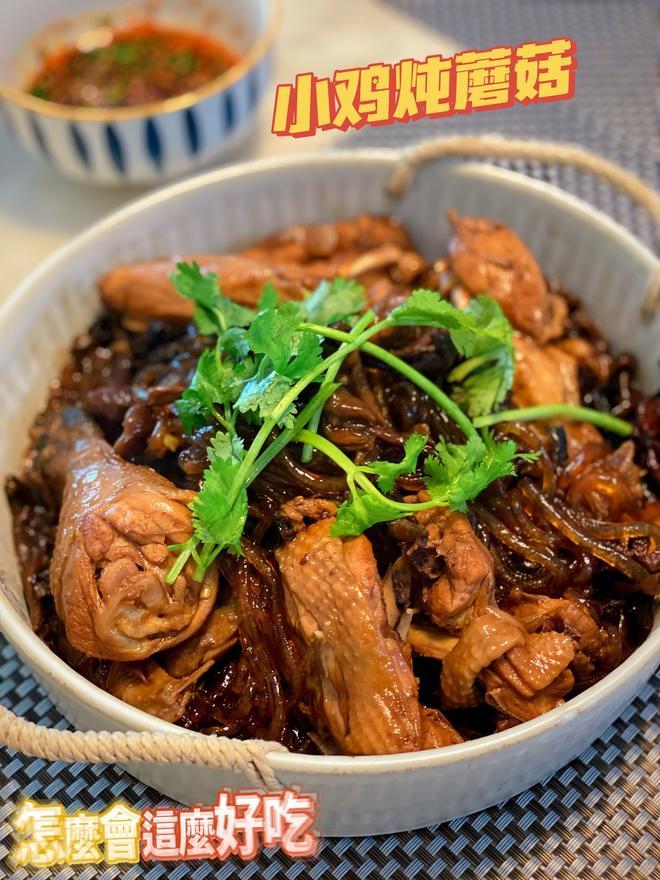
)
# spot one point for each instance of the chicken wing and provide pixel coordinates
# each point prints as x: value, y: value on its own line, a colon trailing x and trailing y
x: 361, y: 686
x: 143, y: 292
x: 111, y: 556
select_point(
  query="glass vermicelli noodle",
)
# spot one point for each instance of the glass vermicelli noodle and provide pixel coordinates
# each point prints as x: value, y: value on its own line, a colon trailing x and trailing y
x: 390, y: 583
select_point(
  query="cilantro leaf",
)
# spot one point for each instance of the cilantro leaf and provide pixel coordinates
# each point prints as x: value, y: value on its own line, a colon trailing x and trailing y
x: 214, y: 313
x: 486, y: 328
x: 286, y: 350
x: 308, y: 355
x: 486, y: 387
x: 478, y: 328
x: 262, y: 393
x: 269, y: 296
x: 361, y: 511
x: 454, y: 475
x: 273, y: 331
x: 192, y: 412
x: 480, y: 333
x: 426, y: 308
x: 214, y: 383
x: 218, y: 524
x: 457, y: 473
x: 341, y: 299
x: 389, y: 471
x: 235, y: 344
x: 196, y: 406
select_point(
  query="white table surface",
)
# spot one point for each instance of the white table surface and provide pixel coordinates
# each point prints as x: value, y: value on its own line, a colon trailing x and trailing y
x: 40, y: 211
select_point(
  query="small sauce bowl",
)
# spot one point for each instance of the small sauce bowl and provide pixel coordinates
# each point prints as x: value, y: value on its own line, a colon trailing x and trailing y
x: 144, y: 144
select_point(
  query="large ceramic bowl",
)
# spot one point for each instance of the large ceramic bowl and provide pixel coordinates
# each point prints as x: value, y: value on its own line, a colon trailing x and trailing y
x: 134, y: 145
x: 226, y: 209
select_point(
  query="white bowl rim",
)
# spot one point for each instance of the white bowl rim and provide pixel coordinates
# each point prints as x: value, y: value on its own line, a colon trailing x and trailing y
x: 128, y: 717
x: 246, y: 62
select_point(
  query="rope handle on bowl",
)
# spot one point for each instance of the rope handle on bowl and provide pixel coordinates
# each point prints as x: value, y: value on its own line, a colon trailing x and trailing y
x: 249, y: 756
x: 497, y: 147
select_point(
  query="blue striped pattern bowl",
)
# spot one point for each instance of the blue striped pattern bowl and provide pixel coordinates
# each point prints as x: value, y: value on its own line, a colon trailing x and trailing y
x: 134, y: 145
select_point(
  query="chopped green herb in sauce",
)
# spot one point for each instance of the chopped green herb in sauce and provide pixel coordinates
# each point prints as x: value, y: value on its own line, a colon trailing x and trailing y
x: 138, y: 66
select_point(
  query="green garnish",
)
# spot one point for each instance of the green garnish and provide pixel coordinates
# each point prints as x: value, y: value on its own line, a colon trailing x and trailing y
x: 40, y: 91
x: 558, y: 411
x: 481, y: 334
x: 125, y: 54
x: 453, y: 475
x: 183, y: 62
x: 214, y: 313
x: 218, y: 515
x: 263, y: 361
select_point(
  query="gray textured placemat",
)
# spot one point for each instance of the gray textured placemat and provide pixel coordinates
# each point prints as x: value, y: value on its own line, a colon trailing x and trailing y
x: 616, y: 47
x: 598, y: 817
x: 614, y: 111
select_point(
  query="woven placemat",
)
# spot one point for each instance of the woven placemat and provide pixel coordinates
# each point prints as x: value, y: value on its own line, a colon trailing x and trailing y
x: 617, y: 96
x: 599, y: 816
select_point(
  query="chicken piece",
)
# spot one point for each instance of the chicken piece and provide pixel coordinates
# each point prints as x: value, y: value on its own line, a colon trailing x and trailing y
x: 383, y: 257
x: 605, y: 484
x: 572, y: 618
x: 598, y: 363
x: 55, y: 436
x: 484, y: 639
x: 534, y: 665
x: 488, y: 258
x: 541, y: 613
x: 531, y: 679
x: 651, y: 513
x: 518, y: 708
x: 217, y: 636
x: 111, y: 557
x: 367, y: 231
x: 544, y: 374
x: 375, y: 250
x: 437, y: 731
x: 429, y: 641
x: 294, y: 261
x: 361, y: 687
x: 143, y: 292
x: 336, y: 242
x: 523, y: 674
x: 461, y: 566
x: 299, y: 509
x: 148, y: 687
x: 581, y: 437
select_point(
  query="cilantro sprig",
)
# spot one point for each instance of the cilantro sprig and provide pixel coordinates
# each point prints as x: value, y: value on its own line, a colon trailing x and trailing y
x: 481, y: 334
x: 262, y: 363
x: 453, y: 475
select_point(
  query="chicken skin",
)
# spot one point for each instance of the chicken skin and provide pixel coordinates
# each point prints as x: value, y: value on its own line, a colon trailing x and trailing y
x: 362, y: 687
x: 111, y: 556
x: 488, y: 257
